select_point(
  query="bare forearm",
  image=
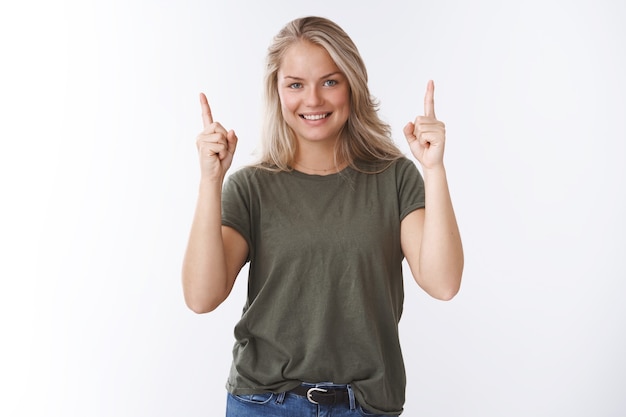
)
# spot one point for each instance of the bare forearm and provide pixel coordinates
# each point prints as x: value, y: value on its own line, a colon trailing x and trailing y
x: 205, y: 282
x: 441, y: 251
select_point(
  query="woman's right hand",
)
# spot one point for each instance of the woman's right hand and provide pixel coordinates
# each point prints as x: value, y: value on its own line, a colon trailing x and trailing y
x: 216, y: 146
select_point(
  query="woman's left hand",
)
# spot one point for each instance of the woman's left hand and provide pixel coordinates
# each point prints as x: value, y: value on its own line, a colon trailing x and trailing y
x: 427, y: 136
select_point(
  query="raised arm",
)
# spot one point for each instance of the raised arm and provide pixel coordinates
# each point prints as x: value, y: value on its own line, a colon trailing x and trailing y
x: 215, y: 253
x: 430, y: 238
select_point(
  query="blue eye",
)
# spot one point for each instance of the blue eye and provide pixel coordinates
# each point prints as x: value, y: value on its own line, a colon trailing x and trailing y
x: 295, y: 85
x: 330, y: 83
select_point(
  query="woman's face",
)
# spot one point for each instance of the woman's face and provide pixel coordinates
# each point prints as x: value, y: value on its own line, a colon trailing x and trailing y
x: 314, y: 93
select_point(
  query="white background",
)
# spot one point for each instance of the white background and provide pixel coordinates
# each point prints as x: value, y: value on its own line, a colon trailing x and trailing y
x: 98, y: 176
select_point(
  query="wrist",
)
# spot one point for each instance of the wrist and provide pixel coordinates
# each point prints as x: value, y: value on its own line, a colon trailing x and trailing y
x: 434, y: 171
x: 210, y: 184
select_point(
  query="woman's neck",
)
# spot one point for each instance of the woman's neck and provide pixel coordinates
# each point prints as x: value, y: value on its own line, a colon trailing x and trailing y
x: 315, y: 162
x: 318, y: 171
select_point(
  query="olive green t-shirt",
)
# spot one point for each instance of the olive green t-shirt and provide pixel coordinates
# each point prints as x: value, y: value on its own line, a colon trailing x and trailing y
x: 325, y: 285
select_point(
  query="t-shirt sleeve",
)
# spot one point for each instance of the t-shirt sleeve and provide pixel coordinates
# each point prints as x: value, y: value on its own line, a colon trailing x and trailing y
x: 410, y: 185
x: 236, y: 206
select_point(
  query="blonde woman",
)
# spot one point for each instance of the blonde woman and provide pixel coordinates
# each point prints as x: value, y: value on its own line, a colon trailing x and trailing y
x: 325, y: 219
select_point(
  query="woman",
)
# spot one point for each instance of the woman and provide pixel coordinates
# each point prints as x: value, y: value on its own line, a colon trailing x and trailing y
x: 325, y: 219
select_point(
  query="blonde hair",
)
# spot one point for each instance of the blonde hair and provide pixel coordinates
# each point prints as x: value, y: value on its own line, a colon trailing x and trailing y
x: 365, y: 137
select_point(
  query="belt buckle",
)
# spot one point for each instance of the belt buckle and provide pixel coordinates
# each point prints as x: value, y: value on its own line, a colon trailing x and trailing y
x: 311, y: 391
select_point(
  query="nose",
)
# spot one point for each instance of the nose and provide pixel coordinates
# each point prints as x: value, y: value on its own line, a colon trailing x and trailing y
x: 314, y: 97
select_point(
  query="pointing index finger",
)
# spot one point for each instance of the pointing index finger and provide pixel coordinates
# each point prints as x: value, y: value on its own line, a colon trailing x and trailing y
x: 429, y: 100
x: 207, y: 117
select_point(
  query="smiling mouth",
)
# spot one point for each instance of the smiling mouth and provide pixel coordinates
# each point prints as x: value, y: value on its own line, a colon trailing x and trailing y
x: 315, y: 116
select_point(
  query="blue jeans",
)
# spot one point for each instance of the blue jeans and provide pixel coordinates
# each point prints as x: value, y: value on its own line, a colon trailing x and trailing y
x: 287, y: 404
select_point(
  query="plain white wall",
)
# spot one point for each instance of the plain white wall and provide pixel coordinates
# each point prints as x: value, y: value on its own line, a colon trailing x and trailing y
x: 98, y: 176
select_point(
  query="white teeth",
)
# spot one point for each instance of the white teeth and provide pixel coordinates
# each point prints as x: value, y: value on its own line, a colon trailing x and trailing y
x: 314, y: 116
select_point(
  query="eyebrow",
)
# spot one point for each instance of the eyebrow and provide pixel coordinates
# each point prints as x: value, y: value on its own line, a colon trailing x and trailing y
x: 321, y: 78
